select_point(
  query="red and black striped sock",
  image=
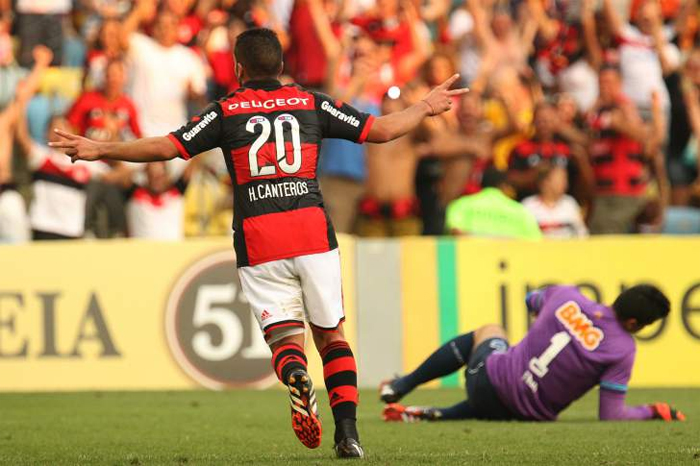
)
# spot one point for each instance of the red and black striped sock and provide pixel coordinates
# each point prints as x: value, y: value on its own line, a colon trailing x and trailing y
x: 286, y: 358
x: 340, y: 374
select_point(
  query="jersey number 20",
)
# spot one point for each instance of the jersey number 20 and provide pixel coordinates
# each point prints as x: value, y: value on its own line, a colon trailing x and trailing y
x: 280, y: 149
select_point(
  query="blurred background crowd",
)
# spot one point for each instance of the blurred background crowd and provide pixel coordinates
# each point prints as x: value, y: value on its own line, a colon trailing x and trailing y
x: 583, y: 115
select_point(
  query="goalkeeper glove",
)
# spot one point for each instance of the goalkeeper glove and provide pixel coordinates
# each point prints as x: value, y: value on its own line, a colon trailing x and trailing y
x: 666, y: 412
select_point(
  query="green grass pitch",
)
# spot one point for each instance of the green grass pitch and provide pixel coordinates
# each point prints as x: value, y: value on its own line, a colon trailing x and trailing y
x: 252, y: 427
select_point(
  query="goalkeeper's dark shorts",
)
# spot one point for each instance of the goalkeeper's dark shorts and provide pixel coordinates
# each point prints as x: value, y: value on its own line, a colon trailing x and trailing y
x: 482, y: 395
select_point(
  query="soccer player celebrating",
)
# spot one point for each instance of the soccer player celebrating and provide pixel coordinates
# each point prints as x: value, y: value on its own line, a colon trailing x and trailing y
x: 286, y: 248
x: 573, y: 345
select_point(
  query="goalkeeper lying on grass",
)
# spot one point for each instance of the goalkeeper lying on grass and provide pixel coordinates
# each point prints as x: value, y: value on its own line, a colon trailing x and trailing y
x: 573, y: 345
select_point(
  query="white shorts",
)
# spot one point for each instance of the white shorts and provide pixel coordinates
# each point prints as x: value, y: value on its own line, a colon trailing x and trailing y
x: 14, y: 221
x: 285, y: 293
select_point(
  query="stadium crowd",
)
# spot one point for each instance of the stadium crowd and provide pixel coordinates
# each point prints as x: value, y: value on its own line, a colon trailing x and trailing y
x: 583, y: 115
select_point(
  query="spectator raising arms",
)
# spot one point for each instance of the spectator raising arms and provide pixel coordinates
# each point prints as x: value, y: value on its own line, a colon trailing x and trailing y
x: 546, y: 146
x: 566, y: 59
x: 691, y: 95
x: 40, y: 22
x: 58, y: 207
x: 465, y: 154
x: 165, y: 74
x: 107, y: 47
x: 617, y: 156
x: 502, y: 43
x: 398, y: 25
x: 684, y: 132
x: 646, y: 54
x: 534, y: 68
x: 10, y: 72
x: 14, y: 223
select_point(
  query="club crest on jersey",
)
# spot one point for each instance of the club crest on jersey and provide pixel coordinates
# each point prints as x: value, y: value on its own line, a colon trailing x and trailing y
x: 579, y: 325
x: 340, y: 115
x: 208, y: 118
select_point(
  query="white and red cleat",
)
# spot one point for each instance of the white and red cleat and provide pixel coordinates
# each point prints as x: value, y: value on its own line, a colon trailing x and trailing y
x: 305, y: 420
x: 395, y: 412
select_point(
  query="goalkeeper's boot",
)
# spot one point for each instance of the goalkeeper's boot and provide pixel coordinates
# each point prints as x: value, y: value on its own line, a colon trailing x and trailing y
x: 397, y: 413
x: 388, y: 392
x: 666, y: 412
x: 305, y: 420
x: 347, y: 440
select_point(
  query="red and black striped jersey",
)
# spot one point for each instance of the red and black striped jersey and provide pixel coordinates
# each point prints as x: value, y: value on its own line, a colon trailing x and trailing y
x: 271, y: 136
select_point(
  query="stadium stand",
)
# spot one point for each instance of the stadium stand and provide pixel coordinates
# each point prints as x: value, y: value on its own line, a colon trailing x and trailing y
x: 633, y: 148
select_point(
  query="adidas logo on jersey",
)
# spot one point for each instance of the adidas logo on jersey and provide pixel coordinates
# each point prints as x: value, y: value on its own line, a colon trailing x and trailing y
x: 265, y: 315
x: 208, y: 118
x: 340, y: 115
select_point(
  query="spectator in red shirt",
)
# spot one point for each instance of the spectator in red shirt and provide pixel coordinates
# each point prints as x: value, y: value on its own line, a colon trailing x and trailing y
x: 312, y: 26
x: 191, y: 22
x: 617, y: 156
x: 107, y: 47
x: 218, y: 48
x: 400, y: 25
x: 106, y: 114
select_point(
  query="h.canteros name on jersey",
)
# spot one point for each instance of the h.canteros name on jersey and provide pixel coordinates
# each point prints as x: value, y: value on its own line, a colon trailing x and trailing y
x: 284, y: 189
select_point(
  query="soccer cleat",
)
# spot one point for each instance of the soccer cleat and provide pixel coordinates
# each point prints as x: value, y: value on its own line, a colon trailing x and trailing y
x: 666, y: 412
x: 395, y: 412
x: 349, y: 448
x: 388, y: 392
x: 302, y: 396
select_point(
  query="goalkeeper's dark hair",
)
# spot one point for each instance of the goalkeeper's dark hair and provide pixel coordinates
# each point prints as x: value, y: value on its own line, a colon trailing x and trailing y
x: 645, y: 303
x: 259, y: 52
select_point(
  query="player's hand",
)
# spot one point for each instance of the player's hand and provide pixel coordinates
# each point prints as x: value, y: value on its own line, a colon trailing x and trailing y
x: 666, y: 412
x: 77, y: 147
x: 439, y: 100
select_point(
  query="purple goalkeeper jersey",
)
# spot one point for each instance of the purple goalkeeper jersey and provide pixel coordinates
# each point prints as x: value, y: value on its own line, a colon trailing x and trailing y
x: 573, y: 345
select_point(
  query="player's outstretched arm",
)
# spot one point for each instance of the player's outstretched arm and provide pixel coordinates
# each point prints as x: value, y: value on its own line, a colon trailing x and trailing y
x: 612, y: 407
x: 141, y: 150
x: 395, y: 125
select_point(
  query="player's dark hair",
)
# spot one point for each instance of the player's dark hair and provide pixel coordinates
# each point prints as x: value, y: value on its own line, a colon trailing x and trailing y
x: 259, y: 52
x: 646, y: 303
